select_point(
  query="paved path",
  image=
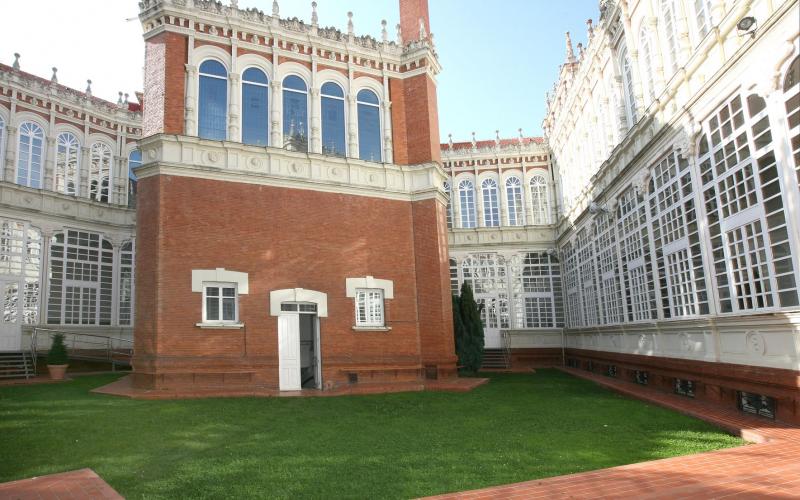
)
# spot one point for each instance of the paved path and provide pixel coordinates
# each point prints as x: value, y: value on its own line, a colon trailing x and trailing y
x: 77, y: 484
x: 769, y: 469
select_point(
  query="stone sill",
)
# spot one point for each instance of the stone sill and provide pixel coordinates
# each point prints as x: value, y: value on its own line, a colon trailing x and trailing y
x: 372, y: 328
x: 221, y: 326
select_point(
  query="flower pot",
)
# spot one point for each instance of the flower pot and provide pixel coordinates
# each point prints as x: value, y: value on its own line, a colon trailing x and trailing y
x: 57, y: 371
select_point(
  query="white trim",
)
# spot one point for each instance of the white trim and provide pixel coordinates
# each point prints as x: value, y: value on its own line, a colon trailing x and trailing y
x: 277, y: 297
x: 352, y: 284
x: 220, y: 275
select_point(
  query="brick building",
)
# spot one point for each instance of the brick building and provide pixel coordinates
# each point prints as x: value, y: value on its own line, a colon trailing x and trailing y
x: 302, y: 166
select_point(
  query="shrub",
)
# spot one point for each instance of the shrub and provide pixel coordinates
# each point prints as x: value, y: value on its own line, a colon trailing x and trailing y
x: 468, y: 330
x: 58, y: 352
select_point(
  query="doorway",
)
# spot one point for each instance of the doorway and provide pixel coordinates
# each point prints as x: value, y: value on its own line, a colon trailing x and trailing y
x: 299, y: 347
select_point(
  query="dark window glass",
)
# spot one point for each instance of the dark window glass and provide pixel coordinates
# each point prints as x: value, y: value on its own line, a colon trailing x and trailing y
x: 255, y: 112
x: 369, y: 126
x: 213, y: 101
x: 333, y: 132
x: 295, y: 114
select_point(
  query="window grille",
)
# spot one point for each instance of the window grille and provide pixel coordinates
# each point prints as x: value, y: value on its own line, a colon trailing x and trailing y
x: 491, y: 209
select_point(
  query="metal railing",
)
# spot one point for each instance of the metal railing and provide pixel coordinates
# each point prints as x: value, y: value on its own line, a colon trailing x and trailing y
x: 84, y: 346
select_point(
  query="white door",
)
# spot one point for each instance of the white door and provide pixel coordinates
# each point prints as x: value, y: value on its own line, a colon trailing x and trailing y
x: 10, y: 319
x: 489, y: 318
x: 289, y: 352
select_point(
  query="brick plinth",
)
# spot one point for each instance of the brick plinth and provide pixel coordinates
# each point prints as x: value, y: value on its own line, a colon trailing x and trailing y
x: 717, y: 383
x: 535, y: 358
x: 284, y: 239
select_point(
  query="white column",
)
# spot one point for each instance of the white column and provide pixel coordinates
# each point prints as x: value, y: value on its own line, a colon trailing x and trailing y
x: 190, y: 111
x: 352, y: 113
x: 501, y: 186
x: 277, y: 108
x: 234, y: 127
x: 11, y: 153
x: 83, y: 191
x: 315, y: 143
x: 49, y: 163
x: 44, y: 272
x: 122, y: 182
x: 386, y: 106
x: 479, y: 222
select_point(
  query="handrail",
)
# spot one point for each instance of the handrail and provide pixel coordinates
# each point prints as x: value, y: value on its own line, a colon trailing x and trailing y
x: 88, y: 342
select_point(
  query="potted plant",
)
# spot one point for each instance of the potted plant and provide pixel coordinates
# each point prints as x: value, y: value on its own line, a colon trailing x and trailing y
x: 57, y: 358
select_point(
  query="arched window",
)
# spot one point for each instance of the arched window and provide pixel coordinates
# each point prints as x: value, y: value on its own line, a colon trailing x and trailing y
x: 491, y: 210
x: 67, y: 154
x: 31, y: 149
x: 255, y: 109
x: 2, y: 141
x: 333, y: 131
x: 702, y: 14
x: 516, y: 212
x: 369, y: 126
x: 647, y: 62
x: 449, y: 205
x: 540, y: 200
x: 791, y: 97
x: 134, y: 162
x: 627, y: 85
x: 100, y: 172
x: 213, y: 101
x: 295, y: 114
x: 466, y: 196
x: 670, y: 27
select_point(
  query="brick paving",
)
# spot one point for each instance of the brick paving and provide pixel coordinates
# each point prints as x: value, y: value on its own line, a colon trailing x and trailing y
x: 768, y: 469
x: 77, y: 484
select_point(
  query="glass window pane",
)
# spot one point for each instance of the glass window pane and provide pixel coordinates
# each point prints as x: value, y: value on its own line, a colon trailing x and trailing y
x: 213, y: 108
x: 333, y: 132
x: 255, y: 114
x: 295, y: 120
x: 294, y: 82
x: 254, y: 75
x: 229, y: 292
x: 228, y: 309
x: 212, y: 308
x: 212, y: 291
x: 332, y: 89
x: 369, y: 133
x: 368, y: 96
x: 212, y: 67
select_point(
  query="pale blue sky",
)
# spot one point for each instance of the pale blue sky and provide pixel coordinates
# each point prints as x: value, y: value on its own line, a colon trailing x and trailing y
x: 499, y: 58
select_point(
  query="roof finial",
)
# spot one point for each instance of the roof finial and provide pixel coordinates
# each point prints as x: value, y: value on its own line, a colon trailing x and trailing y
x: 474, y: 142
x: 450, y: 141
x: 16, y: 61
x: 126, y: 98
x: 54, y: 78
x: 570, y: 52
x: 276, y: 10
x: 580, y: 51
x: 234, y: 4
x: 589, y: 29
x: 350, y: 24
x: 521, y: 137
x: 497, y: 137
x: 314, y: 17
x: 119, y: 101
x: 399, y: 36
x: 384, y: 33
x: 89, y: 87
x: 423, y: 34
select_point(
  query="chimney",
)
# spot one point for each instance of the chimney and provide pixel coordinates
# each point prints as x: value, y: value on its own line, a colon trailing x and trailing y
x: 411, y: 12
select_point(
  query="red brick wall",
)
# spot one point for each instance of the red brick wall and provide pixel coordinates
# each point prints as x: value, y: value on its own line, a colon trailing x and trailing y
x: 284, y: 238
x: 411, y: 11
x: 164, y: 82
x: 415, y: 120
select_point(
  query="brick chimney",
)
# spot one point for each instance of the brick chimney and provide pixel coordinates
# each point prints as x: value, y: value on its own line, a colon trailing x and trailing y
x: 411, y: 11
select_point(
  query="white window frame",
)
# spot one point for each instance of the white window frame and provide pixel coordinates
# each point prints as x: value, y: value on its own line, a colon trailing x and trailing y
x: 491, y: 203
x: 373, y: 301
x: 221, y: 285
x: 379, y: 106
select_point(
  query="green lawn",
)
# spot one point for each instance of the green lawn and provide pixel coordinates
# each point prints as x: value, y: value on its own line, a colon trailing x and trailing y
x: 517, y: 427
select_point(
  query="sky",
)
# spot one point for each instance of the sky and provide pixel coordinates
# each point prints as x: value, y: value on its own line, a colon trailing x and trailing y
x: 498, y: 58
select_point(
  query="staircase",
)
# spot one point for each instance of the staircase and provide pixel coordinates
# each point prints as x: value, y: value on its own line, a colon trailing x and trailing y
x: 16, y: 364
x: 495, y: 359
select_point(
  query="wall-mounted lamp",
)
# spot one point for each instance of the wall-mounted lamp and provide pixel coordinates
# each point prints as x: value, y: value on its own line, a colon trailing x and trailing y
x: 747, y: 26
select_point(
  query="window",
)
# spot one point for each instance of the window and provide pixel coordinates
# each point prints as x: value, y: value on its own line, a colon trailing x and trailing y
x: 67, y: 154
x: 213, y: 101
x: 2, y: 141
x: 647, y: 62
x: 31, y: 151
x: 670, y: 26
x: 791, y: 92
x: 516, y: 211
x: 454, y: 277
x: 540, y: 200
x: 126, y: 284
x: 134, y: 162
x: 369, y: 307
x: 634, y: 247
x: 255, y: 109
x: 588, y: 285
x: 627, y: 85
x: 220, y: 303
x: 491, y: 209
x: 487, y: 275
x: 100, y: 172
x: 446, y: 186
x: 295, y: 114
x: 333, y: 129
x: 81, y: 288
x: 20, y: 256
x: 536, y: 291
x: 571, y: 282
x: 466, y: 196
x: 702, y: 15
x: 369, y: 126
x: 610, y: 296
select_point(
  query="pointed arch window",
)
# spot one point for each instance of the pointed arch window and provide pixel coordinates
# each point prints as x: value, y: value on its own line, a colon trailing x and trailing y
x: 516, y: 209
x: 100, y: 172
x: 333, y: 129
x: 491, y: 209
x: 213, y: 101
x: 369, y: 126
x: 645, y: 49
x: 31, y: 151
x: 446, y: 186
x: 540, y: 200
x: 295, y: 114
x: 627, y: 83
x: 670, y: 28
x: 466, y: 197
x: 255, y: 107
x: 67, y: 154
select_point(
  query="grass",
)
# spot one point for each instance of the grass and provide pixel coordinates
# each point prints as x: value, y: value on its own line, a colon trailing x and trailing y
x: 516, y: 428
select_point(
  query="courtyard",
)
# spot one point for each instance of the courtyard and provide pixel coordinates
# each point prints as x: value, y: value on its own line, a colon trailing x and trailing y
x: 518, y: 427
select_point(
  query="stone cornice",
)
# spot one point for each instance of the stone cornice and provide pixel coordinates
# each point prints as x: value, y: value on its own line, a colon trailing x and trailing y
x: 235, y: 162
x: 492, y: 238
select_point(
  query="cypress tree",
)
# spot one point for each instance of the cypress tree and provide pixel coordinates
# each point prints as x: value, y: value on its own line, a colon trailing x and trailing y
x: 470, y: 347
